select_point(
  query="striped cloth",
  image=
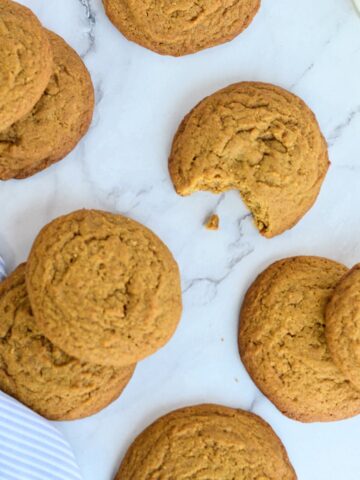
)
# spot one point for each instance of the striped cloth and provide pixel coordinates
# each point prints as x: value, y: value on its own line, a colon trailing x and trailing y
x: 2, y: 269
x: 30, y: 447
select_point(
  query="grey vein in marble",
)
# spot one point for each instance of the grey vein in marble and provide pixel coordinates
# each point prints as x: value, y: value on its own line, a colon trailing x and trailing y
x: 91, y: 21
x: 203, y: 290
x: 340, y: 128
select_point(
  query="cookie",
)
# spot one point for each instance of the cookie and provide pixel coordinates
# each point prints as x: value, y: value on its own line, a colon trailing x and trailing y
x: 103, y: 287
x: 181, y: 27
x: 282, y: 340
x: 260, y: 140
x: 57, y: 122
x: 207, y: 442
x: 39, y: 374
x: 343, y: 325
x: 25, y: 61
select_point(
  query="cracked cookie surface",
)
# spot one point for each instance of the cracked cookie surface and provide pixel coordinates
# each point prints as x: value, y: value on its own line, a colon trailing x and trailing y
x: 282, y: 340
x: 207, y: 442
x: 39, y: 374
x: 57, y: 122
x: 258, y: 139
x: 343, y: 326
x: 25, y: 61
x: 103, y: 287
x: 181, y: 27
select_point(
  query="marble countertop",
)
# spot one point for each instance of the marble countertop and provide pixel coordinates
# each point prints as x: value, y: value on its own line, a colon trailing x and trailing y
x: 311, y: 48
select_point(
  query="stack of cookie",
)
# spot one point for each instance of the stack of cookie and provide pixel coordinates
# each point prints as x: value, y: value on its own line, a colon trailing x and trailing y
x: 46, y: 94
x: 299, y: 338
x: 99, y: 292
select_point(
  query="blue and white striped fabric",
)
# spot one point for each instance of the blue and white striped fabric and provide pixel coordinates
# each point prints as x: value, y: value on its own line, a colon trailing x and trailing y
x: 2, y: 269
x: 31, y: 448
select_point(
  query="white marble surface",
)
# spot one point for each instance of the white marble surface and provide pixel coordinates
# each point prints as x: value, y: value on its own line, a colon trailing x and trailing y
x: 310, y: 47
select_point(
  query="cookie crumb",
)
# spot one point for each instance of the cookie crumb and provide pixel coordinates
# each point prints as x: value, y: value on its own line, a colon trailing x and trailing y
x: 213, y: 222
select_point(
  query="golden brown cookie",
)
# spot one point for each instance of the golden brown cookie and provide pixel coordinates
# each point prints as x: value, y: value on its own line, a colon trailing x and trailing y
x: 207, y: 442
x: 103, y: 287
x: 256, y: 138
x: 181, y: 27
x: 343, y: 325
x: 42, y: 376
x: 25, y: 61
x: 57, y: 122
x: 282, y: 340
